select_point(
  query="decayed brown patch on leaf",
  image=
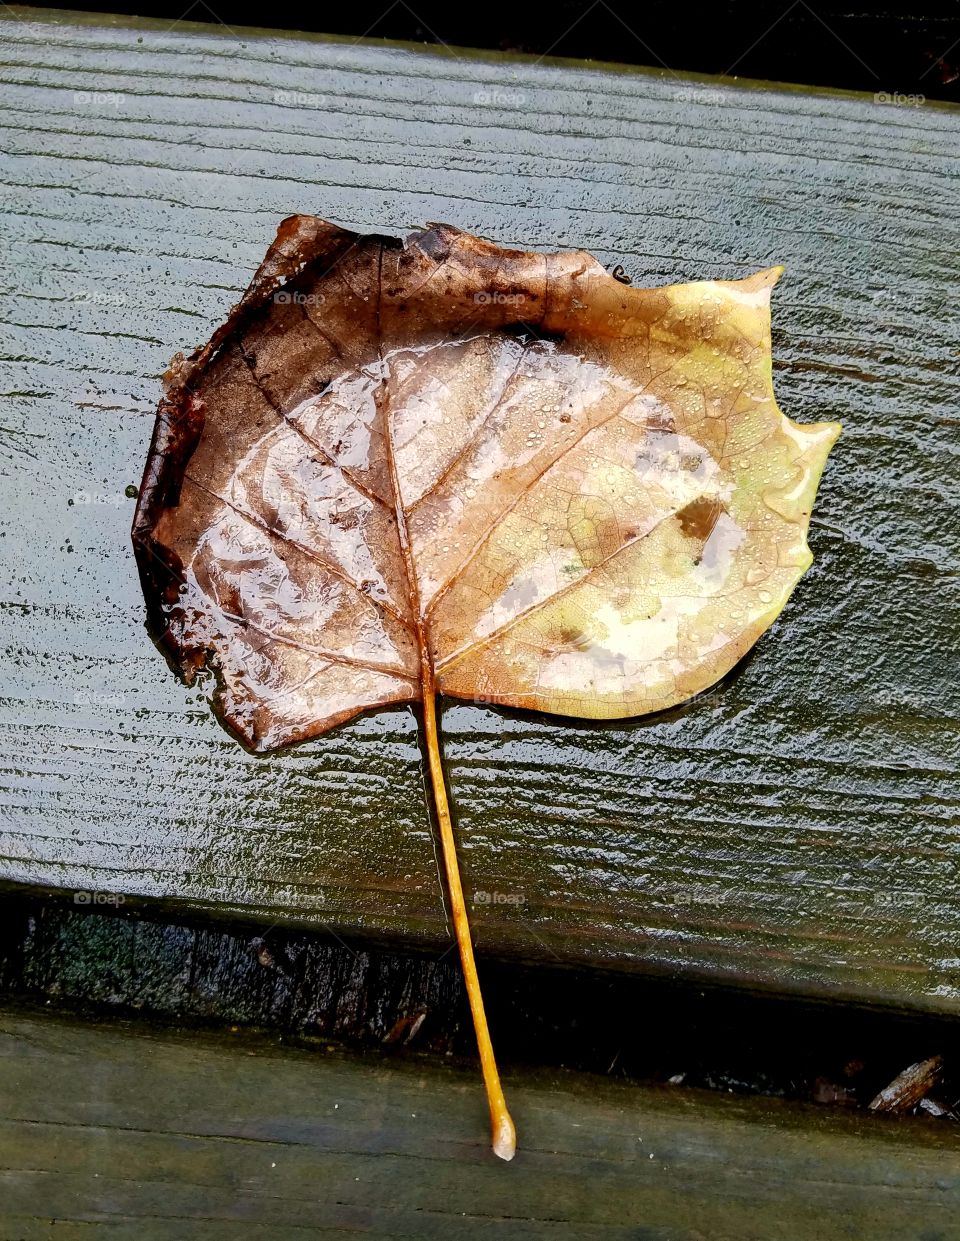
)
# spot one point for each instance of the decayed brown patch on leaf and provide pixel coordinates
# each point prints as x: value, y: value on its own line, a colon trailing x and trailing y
x: 699, y: 518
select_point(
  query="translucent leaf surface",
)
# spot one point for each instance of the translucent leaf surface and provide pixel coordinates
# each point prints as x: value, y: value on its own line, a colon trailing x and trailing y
x: 563, y: 493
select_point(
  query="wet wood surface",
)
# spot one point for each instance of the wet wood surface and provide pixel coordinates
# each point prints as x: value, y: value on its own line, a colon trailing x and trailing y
x: 796, y: 829
x: 142, y: 1134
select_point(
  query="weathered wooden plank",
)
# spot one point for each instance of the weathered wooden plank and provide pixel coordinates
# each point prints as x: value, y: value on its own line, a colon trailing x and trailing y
x: 796, y: 829
x: 300, y: 983
x: 135, y: 1134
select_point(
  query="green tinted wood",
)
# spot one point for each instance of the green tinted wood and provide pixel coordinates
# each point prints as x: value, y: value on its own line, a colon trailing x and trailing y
x: 162, y: 1138
x: 794, y: 829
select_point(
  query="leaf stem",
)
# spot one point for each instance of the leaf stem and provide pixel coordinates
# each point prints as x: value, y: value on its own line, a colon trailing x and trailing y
x: 504, y: 1137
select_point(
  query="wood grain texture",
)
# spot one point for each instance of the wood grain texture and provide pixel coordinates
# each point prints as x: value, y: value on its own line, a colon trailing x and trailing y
x: 796, y: 829
x: 163, y: 1137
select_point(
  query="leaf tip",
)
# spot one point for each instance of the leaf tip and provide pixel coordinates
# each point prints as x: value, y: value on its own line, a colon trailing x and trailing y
x: 762, y: 281
x: 820, y: 436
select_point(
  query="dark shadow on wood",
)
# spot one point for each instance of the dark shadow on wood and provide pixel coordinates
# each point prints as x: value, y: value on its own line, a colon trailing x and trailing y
x: 307, y: 986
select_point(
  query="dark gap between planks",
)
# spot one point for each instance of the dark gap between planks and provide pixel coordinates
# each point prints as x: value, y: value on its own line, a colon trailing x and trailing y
x: 305, y: 986
x: 897, y: 48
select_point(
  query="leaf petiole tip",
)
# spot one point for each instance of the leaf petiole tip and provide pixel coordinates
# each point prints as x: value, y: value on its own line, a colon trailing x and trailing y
x: 504, y: 1136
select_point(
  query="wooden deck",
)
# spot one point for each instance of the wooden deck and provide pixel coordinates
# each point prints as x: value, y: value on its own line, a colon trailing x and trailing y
x: 797, y: 830
x: 140, y: 1135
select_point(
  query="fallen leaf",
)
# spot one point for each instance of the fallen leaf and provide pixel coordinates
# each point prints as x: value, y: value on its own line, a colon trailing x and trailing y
x: 439, y: 466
